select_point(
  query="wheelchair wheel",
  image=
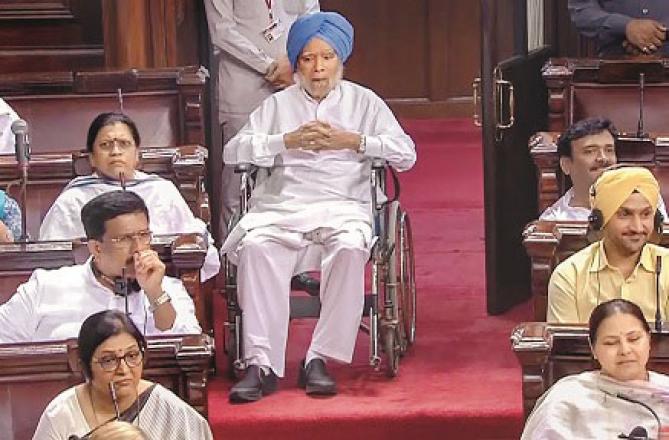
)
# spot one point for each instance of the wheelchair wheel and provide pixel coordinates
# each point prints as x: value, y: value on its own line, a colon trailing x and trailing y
x: 393, y: 350
x: 402, y: 274
x: 230, y: 329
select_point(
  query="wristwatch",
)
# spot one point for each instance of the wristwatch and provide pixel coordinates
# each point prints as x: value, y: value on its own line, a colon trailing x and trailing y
x: 362, y: 146
x: 162, y: 299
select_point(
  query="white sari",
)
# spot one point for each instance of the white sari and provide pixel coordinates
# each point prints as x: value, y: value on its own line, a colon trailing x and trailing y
x: 161, y: 416
x: 591, y: 405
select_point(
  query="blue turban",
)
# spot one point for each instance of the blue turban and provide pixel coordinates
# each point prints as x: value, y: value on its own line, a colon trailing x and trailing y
x: 330, y: 27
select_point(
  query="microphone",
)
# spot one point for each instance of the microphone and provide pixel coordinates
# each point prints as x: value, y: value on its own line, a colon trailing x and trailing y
x: 21, y: 142
x: 658, y: 313
x: 22, y: 152
x: 638, y: 433
x: 650, y: 410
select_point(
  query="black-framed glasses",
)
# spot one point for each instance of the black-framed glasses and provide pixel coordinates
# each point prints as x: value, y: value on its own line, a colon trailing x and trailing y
x: 127, y: 240
x: 123, y: 144
x: 111, y: 363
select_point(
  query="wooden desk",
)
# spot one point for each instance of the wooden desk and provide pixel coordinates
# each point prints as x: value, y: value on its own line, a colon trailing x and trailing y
x: 31, y: 375
x: 182, y: 254
x: 50, y: 173
x: 166, y: 104
x: 548, y: 244
x: 548, y: 352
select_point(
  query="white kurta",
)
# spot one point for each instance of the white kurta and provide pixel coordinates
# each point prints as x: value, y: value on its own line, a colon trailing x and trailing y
x: 163, y: 417
x: 585, y: 406
x: 7, y: 117
x: 562, y: 211
x: 53, y: 304
x: 312, y: 212
x: 168, y: 211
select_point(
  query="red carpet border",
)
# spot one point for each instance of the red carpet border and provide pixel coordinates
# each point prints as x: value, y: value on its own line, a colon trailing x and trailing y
x: 461, y: 379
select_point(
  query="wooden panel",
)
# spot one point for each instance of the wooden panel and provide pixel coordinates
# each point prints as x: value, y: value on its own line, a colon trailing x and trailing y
x: 151, y: 33
x: 419, y: 55
x: 42, y: 35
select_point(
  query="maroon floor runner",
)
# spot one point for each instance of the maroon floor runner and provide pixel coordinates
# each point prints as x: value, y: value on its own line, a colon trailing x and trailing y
x: 461, y: 379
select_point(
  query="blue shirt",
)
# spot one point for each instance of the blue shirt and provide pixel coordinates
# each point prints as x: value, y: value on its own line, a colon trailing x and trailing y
x: 605, y: 20
x: 11, y: 214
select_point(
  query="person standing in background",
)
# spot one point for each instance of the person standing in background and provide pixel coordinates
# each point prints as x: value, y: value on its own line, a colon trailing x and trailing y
x: 249, y: 39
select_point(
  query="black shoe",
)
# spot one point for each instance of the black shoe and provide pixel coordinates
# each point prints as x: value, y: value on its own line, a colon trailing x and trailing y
x: 254, y: 386
x: 316, y: 380
x: 303, y: 281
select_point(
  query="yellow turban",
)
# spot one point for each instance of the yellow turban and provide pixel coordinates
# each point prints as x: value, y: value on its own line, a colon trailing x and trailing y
x: 613, y: 187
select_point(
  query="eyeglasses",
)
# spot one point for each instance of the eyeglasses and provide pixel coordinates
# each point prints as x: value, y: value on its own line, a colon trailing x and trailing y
x: 127, y: 240
x: 111, y: 363
x: 123, y: 144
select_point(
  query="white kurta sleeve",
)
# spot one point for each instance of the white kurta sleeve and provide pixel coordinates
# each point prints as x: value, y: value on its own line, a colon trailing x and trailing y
x: 18, y: 316
x: 388, y: 140
x: 226, y: 36
x: 62, y: 222
x: 185, y: 321
x: 255, y: 143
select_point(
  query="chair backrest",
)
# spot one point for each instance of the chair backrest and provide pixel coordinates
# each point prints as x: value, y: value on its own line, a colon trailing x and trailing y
x: 549, y: 352
x: 31, y: 375
x: 50, y: 172
x: 166, y: 105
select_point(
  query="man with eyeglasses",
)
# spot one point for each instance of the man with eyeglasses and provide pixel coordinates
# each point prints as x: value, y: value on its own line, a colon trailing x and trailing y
x: 53, y: 303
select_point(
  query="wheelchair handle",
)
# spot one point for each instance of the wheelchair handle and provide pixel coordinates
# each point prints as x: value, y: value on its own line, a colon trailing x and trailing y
x: 243, y: 168
x: 378, y: 164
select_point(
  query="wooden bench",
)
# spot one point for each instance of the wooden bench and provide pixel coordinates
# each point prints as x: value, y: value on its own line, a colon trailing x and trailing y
x: 50, y: 172
x: 166, y: 104
x: 548, y: 244
x: 183, y: 255
x: 31, y: 375
x: 548, y: 352
x: 579, y: 88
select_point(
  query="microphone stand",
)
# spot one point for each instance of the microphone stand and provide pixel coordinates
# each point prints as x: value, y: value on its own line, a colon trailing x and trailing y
x: 650, y: 410
x: 112, y: 390
x: 658, y: 313
x: 24, y: 238
x: 642, y: 86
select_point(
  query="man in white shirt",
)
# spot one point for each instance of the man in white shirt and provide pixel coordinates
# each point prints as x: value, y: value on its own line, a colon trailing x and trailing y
x: 313, y: 212
x: 122, y: 273
x: 585, y: 149
x: 7, y: 117
x: 113, y: 143
x: 249, y: 37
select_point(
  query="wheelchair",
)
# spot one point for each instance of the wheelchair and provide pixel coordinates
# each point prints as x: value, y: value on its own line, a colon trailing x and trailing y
x: 389, y: 313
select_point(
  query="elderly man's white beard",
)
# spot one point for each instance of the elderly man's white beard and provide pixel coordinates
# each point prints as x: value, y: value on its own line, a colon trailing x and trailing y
x: 320, y: 89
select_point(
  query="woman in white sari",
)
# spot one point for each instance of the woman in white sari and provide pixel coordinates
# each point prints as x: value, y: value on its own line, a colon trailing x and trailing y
x: 623, y: 397
x: 111, y: 351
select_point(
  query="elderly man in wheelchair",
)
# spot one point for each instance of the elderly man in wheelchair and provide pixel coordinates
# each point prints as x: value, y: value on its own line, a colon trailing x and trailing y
x: 320, y: 139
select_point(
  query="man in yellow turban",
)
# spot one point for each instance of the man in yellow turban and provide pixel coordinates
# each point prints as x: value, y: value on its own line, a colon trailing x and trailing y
x: 622, y: 264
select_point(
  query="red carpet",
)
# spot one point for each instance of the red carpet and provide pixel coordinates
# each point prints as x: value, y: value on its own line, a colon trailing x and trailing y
x: 461, y: 379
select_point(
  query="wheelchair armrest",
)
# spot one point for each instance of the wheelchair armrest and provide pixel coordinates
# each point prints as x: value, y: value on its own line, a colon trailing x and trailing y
x: 378, y: 164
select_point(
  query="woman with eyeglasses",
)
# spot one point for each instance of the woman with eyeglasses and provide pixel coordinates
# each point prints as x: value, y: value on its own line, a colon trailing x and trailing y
x: 113, y: 144
x: 622, y: 397
x: 111, y: 352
